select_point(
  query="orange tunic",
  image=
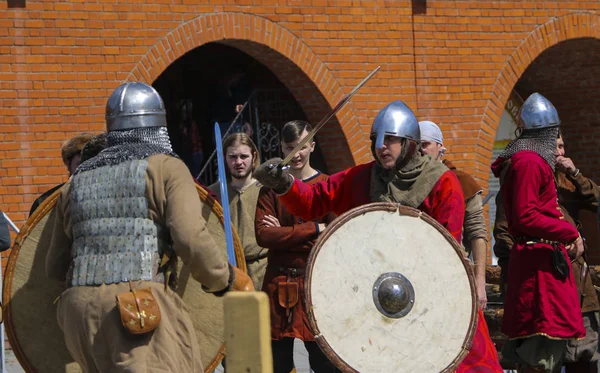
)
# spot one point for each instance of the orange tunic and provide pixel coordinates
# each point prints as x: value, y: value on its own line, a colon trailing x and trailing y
x: 289, y: 246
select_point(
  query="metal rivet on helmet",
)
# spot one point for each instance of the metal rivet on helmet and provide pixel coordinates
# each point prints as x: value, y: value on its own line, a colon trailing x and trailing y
x: 135, y: 105
x: 538, y: 112
x: 396, y: 119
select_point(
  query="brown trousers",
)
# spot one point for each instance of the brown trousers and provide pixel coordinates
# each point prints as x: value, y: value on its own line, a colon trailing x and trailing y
x: 100, y: 344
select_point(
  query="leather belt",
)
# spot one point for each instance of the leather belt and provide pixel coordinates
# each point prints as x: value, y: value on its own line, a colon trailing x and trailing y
x: 292, y: 272
x: 531, y: 241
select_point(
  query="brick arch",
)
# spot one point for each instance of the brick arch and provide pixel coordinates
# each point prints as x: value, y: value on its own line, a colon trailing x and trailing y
x: 570, y: 26
x: 288, y: 57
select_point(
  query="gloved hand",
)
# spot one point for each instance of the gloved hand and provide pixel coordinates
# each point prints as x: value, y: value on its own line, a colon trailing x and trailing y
x: 242, y: 281
x: 273, y: 177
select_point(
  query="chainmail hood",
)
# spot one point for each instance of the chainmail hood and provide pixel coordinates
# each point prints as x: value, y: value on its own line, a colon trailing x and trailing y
x: 137, y: 143
x: 541, y: 141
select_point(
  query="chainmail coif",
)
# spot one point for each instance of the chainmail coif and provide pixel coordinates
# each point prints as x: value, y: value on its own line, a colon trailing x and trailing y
x: 137, y: 143
x: 541, y: 141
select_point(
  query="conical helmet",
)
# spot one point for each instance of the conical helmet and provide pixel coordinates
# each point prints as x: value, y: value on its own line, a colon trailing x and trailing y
x: 135, y: 105
x: 538, y: 112
x: 396, y: 119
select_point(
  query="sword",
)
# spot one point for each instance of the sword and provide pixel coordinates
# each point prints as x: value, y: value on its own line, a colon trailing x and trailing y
x: 10, y: 223
x: 329, y: 115
x: 224, y: 197
x: 488, y: 197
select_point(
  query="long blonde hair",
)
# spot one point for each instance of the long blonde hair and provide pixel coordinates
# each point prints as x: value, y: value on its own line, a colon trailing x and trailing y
x: 237, y: 139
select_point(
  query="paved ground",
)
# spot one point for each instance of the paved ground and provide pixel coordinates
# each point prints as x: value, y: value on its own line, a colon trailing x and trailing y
x: 12, y: 365
x: 300, y: 359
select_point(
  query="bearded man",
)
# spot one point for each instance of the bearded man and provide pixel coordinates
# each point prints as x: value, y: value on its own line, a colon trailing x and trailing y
x: 241, y: 158
x: 401, y: 174
x: 474, y: 229
x: 575, y: 193
x: 542, y: 309
x: 118, y: 218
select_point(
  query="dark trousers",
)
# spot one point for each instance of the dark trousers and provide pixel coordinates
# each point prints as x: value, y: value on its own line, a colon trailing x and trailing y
x: 283, y: 357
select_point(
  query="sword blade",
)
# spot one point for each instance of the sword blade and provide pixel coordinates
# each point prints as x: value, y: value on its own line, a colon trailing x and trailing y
x: 329, y: 115
x: 224, y: 197
x: 10, y: 222
x: 488, y: 197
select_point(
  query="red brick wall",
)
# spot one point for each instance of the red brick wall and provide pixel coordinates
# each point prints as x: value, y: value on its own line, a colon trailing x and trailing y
x: 454, y: 64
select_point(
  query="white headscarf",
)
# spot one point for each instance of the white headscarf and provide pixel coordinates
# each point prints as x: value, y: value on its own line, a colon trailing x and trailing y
x: 431, y: 132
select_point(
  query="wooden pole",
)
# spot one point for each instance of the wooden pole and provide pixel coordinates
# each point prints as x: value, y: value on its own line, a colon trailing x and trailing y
x: 248, y: 333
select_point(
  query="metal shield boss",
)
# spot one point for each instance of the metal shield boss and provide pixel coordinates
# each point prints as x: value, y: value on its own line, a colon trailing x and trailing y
x: 388, y: 289
x: 29, y: 296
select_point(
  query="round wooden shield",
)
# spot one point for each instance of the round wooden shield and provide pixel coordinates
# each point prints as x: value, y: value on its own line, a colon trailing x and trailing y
x: 29, y: 297
x: 389, y: 290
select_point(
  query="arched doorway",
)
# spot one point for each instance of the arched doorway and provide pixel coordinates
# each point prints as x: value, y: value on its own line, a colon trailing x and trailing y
x: 565, y: 74
x: 209, y: 84
x: 290, y: 60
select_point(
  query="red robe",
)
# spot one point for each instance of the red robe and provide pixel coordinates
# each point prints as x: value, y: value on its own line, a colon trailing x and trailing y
x: 289, y: 246
x: 537, y: 302
x: 445, y: 203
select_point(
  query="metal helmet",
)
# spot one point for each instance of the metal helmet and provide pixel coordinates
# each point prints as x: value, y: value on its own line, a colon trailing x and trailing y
x: 135, y: 105
x: 538, y: 112
x: 396, y: 119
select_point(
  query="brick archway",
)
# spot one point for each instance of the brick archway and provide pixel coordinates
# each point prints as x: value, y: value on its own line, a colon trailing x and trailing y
x: 570, y: 26
x: 289, y: 58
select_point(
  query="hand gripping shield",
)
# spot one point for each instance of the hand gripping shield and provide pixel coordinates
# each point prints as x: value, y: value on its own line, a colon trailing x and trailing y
x: 29, y: 296
x: 388, y: 290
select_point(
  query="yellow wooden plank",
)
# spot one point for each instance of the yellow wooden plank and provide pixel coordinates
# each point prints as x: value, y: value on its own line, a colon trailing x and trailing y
x: 248, y: 332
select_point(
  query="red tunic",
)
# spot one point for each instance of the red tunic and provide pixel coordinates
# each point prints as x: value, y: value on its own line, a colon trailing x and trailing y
x: 445, y: 203
x: 289, y: 246
x: 537, y: 302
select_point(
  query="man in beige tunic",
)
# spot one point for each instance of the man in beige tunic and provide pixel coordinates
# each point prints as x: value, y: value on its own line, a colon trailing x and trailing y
x: 116, y: 218
x: 474, y: 228
x: 241, y: 157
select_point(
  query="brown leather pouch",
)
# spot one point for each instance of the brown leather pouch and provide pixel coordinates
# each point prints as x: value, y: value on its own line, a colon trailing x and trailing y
x: 288, y: 294
x: 140, y: 313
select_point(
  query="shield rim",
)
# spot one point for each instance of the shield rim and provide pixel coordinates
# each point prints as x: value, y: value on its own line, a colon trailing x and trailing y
x: 33, y: 220
x: 402, y: 210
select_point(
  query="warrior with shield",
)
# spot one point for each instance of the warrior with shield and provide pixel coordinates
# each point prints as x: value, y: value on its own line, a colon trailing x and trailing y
x: 474, y: 230
x: 542, y: 312
x: 401, y: 174
x: 120, y: 221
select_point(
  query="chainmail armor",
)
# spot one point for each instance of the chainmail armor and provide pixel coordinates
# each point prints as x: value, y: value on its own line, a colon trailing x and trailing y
x: 127, y: 145
x: 541, y: 141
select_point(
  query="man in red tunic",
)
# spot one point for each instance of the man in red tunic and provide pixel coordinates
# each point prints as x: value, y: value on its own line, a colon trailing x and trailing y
x: 289, y: 240
x: 542, y: 310
x: 401, y: 173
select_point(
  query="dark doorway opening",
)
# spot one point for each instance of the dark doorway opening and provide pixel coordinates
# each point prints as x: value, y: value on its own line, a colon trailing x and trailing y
x: 209, y: 84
